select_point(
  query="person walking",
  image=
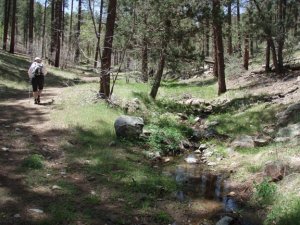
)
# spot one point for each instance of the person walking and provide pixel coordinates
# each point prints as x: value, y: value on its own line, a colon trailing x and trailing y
x: 37, y: 73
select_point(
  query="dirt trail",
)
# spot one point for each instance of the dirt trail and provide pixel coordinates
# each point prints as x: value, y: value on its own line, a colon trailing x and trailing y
x: 25, y: 129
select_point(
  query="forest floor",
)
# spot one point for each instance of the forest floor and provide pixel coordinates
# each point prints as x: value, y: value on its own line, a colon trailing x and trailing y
x: 60, y: 162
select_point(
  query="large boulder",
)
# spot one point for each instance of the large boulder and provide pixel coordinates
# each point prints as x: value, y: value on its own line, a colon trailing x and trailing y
x: 243, y: 141
x: 129, y: 126
x: 289, y: 133
x: 225, y: 221
x: 289, y: 114
x: 275, y: 170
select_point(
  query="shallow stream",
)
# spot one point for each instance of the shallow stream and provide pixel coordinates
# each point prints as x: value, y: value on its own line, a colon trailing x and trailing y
x: 209, y: 196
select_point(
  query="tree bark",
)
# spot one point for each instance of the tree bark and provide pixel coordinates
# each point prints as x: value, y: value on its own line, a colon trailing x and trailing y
x: 107, y: 50
x: 6, y: 22
x: 162, y: 60
x: 229, y: 45
x: 58, y: 16
x: 77, y: 50
x: 44, y: 30
x: 246, y: 52
x: 274, y: 55
x: 238, y: 25
x: 215, y: 68
x: 207, y: 36
x: 30, y: 26
x: 53, y: 34
x: 71, y: 25
x: 145, y: 54
x: 281, y: 38
x: 217, y: 26
x: 97, y: 53
x: 13, y: 27
x: 268, y: 52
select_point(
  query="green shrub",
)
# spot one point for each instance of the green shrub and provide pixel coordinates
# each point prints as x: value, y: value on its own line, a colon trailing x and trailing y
x: 285, y: 212
x: 34, y: 161
x: 265, y: 192
x: 165, y: 140
x: 162, y: 218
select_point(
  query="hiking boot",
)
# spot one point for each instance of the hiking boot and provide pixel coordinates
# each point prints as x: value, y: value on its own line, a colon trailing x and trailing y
x: 38, y: 100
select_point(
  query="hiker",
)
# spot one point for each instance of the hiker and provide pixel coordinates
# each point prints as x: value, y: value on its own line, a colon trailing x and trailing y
x: 37, y: 72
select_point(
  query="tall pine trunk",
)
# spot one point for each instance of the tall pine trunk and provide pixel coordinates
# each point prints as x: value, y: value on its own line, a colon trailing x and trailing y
x: 13, y: 27
x: 58, y: 16
x: 97, y: 53
x: 71, y: 25
x: 268, y: 53
x: 145, y: 54
x: 6, y: 22
x: 238, y: 26
x: 229, y: 44
x: 207, y: 36
x: 44, y: 30
x: 30, y: 26
x: 217, y: 26
x: 107, y: 50
x: 162, y: 60
x: 246, y: 52
x: 77, y: 50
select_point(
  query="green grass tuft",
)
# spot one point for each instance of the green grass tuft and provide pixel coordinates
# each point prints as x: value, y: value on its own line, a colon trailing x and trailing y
x: 34, y: 161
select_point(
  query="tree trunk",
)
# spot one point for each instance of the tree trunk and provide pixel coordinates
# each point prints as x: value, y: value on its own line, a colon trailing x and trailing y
x: 296, y: 15
x: 207, y: 36
x: 217, y: 26
x: 58, y: 16
x: 145, y: 59
x: 107, y: 50
x: 62, y: 23
x: 145, y: 54
x: 13, y: 27
x: 229, y: 47
x: 215, y: 68
x: 246, y: 52
x: 30, y: 25
x: 97, y: 53
x: 77, y: 50
x: 268, y: 52
x: 238, y: 25
x: 53, y: 34
x: 161, y: 65
x: 281, y: 39
x: 6, y: 22
x: 71, y: 25
x: 274, y: 55
x: 44, y: 30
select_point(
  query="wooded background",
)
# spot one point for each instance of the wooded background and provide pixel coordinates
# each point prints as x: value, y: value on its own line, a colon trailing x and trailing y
x: 151, y: 36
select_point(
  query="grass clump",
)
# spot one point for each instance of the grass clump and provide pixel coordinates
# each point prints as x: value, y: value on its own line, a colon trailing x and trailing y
x: 162, y: 218
x: 286, y: 212
x: 265, y: 193
x: 34, y: 161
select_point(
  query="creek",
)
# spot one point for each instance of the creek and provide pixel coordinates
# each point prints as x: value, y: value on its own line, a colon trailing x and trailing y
x: 209, y: 196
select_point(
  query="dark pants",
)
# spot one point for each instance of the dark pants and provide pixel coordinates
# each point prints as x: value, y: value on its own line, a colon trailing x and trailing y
x: 37, y: 83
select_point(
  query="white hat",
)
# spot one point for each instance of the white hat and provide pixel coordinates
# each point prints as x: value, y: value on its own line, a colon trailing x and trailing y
x: 37, y: 59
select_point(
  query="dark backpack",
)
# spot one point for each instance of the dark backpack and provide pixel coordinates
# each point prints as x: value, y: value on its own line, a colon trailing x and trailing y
x: 38, y: 70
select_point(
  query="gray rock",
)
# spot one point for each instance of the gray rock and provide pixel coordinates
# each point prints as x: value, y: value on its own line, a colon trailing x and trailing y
x: 225, y: 221
x: 261, y: 141
x: 202, y: 147
x: 56, y: 187
x: 191, y: 159
x: 129, y: 126
x: 5, y: 149
x: 285, y: 116
x: 17, y: 215
x: 275, y: 170
x: 211, y: 164
x: 39, y: 211
x: 243, y: 141
x: 291, y: 132
x: 197, y: 151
